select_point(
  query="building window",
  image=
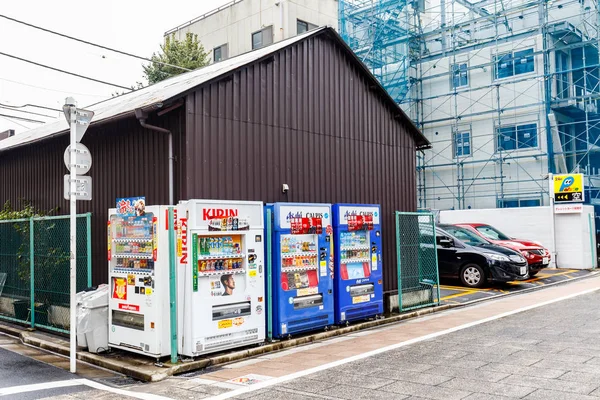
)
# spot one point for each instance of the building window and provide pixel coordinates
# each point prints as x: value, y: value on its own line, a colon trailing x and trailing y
x: 513, y: 63
x: 262, y: 38
x: 517, y: 137
x: 460, y: 75
x: 462, y: 144
x: 514, y: 203
x: 303, y: 26
x: 220, y: 53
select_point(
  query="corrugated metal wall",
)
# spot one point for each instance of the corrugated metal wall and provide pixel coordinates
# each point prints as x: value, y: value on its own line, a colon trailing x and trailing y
x: 307, y: 117
x: 127, y: 161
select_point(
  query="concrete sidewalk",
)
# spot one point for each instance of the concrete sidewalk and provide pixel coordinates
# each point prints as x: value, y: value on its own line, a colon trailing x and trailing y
x: 304, y: 352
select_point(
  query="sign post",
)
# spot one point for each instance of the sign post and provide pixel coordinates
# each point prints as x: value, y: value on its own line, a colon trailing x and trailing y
x: 79, y: 121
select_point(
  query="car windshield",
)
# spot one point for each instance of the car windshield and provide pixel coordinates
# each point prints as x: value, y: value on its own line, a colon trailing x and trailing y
x: 465, y: 236
x: 491, y: 233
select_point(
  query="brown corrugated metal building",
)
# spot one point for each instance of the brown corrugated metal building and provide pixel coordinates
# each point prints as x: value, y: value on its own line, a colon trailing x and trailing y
x: 304, y: 112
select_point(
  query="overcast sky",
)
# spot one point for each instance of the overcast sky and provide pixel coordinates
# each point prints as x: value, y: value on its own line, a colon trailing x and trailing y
x: 134, y: 26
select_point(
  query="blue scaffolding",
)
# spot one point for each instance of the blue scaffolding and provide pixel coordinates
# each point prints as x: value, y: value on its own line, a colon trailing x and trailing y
x: 378, y: 31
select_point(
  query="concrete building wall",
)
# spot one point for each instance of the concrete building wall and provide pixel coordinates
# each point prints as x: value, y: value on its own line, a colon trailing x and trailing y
x: 234, y: 24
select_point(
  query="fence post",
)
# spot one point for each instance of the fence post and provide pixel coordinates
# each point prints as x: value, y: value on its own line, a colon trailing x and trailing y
x: 88, y: 220
x: 437, y: 270
x: 31, y: 272
x: 269, y: 277
x: 398, y: 262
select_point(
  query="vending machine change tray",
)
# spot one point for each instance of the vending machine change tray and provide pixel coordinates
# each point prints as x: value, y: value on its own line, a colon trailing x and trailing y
x: 359, y: 290
x: 128, y: 320
x: 231, y: 310
x: 308, y: 301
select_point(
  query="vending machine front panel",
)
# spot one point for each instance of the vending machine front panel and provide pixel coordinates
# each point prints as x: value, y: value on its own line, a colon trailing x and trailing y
x: 302, y: 268
x: 138, y: 260
x: 358, y: 270
x: 221, y: 276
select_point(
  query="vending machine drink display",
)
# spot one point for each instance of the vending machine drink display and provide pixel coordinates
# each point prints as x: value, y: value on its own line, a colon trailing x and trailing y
x: 221, y: 287
x: 302, y: 276
x: 138, y: 259
x: 358, y: 281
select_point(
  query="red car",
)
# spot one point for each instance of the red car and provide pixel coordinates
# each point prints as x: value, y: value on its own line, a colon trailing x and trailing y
x: 536, y: 255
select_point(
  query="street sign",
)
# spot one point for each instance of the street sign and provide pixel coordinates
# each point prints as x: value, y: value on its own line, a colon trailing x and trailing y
x: 82, y: 120
x: 83, y: 187
x: 84, y: 159
x: 568, y: 188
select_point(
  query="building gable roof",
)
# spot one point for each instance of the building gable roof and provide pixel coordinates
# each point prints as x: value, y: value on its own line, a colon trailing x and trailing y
x: 125, y: 105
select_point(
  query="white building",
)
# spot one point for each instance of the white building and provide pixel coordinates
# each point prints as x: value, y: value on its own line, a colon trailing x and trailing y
x: 243, y: 25
x: 506, y: 95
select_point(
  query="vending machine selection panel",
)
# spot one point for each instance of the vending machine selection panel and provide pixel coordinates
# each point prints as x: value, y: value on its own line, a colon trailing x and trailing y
x: 221, y: 302
x: 138, y: 259
x: 302, y: 268
x: 358, y: 270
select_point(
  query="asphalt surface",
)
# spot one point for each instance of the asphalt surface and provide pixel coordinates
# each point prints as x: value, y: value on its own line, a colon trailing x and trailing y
x: 18, y: 370
x: 451, y: 291
x: 548, y: 353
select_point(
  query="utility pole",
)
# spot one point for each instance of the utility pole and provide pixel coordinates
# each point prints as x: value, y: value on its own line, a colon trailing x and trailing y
x: 74, y: 189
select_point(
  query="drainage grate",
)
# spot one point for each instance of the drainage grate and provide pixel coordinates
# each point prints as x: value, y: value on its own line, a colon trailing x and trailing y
x: 119, y: 381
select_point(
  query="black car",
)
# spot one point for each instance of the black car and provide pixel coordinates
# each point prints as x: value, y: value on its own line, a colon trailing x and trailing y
x: 475, y: 260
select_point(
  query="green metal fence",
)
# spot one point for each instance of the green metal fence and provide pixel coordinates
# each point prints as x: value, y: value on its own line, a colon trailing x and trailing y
x: 418, y: 277
x: 35, y: 268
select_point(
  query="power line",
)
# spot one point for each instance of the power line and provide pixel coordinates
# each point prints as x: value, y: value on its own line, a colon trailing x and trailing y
x: 22, y: 119
x: 65, y: 72
x: 31, y: 105
x: 27, y: 112
x: 93, y: 44
x: 15, y: 122
x: 51, y: 90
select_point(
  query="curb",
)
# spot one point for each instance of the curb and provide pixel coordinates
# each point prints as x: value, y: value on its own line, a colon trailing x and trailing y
x: 155, y: 374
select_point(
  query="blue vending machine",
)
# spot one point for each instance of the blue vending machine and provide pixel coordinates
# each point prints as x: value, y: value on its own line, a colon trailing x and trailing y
x: 358, y: 283
x: 302, y: 268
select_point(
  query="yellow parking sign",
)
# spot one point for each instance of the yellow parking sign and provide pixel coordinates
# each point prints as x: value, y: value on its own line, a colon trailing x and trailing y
x: 568, y: 188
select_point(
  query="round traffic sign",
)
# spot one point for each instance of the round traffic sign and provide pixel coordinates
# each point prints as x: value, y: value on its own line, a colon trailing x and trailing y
x: 83, y: 159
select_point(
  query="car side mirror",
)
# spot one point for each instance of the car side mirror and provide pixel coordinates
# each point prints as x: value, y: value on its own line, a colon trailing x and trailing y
x: 445, y: 242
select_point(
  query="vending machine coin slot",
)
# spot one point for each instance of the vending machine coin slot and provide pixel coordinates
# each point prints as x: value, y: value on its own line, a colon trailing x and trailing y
x: 308, y: 301
x: 231, y: 310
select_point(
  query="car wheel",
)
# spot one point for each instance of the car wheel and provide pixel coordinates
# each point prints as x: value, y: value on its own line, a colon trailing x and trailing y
x: 472, y: 275
x: 533, y: 272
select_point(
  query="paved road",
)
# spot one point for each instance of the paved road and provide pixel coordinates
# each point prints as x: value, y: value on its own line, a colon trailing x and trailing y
x: 552, y: 352
x: 18, y: 370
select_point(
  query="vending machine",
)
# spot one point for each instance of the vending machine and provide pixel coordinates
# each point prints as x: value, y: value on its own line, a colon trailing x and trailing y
x: 358, y: 284
x: 221, y: 267
x: 302, y: 270
x: 138, y: 260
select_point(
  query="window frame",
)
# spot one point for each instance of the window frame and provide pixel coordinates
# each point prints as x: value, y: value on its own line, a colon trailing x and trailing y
x: 513, y: 62
x: 453, y: 74
x: 455, y: 147
x: 516, y: 128
x: 224, y: 52
x: 263, y: 42
x: 501, y: 202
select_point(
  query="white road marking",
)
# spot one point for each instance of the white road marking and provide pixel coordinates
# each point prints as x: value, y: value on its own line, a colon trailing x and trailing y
x: 137, y: 395
x: 300, y: 374
x: 40, y: 386
x: 13, y: 390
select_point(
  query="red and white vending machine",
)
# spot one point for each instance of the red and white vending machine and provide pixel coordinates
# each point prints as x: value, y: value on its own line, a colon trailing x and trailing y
x: 221, y: 281
x: 138, y: 259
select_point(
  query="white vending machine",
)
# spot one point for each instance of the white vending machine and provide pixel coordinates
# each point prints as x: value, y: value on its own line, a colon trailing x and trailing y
x: 221, y: 267
x: 138, y: 259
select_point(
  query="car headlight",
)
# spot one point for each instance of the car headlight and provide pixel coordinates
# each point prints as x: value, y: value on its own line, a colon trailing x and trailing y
x: 497, y: 257
x: 526, y: 254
